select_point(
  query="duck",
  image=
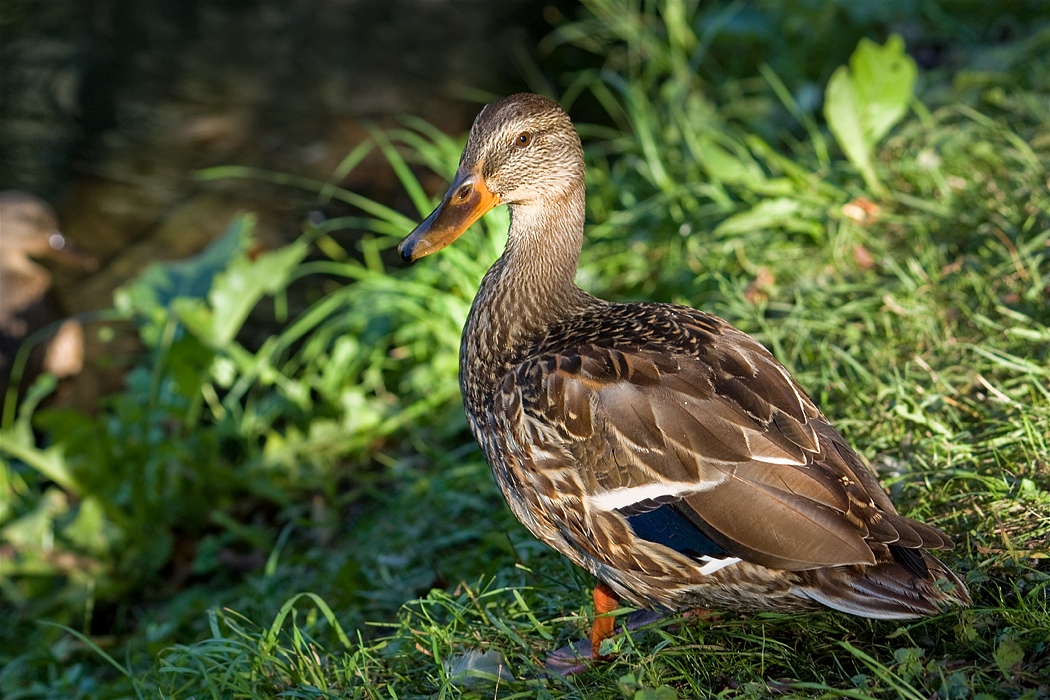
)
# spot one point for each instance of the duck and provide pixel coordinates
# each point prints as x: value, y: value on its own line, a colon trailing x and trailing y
x: 656, y: 446
x: 29, y: 230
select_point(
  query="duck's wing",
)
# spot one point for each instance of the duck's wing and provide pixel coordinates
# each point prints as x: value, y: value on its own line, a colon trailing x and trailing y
x: 713, y: 449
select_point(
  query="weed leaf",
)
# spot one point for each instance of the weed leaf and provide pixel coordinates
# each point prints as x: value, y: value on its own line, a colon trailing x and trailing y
x: 766, y: 214
x: 1007, y: 655
x: 237, y: 290
x: 148, y: 299
x: 864, y: 101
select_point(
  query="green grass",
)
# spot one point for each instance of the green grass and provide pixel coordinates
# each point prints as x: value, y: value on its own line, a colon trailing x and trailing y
x: 334, y: 454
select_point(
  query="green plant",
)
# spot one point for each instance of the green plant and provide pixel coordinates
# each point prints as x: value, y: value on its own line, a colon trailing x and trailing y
x: 212, y: 441
x: 864, y: 101
x: 111, y: 494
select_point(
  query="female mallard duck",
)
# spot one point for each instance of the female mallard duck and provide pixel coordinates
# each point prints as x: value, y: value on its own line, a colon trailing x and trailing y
x: 28, y: 230
x: 655, y: 445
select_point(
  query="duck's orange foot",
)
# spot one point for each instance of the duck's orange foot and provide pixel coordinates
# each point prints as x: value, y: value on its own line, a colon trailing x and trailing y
x: 576, y: 657
x: 605, y: 602
x: 579, y: 656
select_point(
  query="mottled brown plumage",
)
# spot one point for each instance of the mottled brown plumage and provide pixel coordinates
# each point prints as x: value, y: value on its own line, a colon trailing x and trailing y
x: 656, y: 446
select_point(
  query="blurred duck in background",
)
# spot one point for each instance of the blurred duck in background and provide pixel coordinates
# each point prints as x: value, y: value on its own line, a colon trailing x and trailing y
x: 29, y: 230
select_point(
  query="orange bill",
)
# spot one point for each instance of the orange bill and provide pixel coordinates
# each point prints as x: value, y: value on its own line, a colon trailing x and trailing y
x: 467, y: 199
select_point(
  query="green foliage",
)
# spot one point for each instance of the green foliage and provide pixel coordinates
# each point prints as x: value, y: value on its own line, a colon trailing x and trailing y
x: 128, y: 483
x: 631, y: 689
x: 864, y: 101
x: 679, y: 176
x: 920, y: 325
x: 206, y: 423
x: 208, y: 433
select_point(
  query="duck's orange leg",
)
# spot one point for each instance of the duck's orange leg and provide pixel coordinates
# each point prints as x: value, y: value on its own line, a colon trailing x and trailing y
x: 605, y: 601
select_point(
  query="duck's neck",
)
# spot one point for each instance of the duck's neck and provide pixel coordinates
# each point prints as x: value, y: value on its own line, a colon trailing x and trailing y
x: 530, y: 288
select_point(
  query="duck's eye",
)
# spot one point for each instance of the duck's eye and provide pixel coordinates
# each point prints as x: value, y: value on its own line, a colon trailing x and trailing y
x: 464, y: 191
x: 523, y: 139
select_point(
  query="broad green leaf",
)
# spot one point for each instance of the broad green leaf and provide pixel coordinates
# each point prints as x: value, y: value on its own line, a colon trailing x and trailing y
x: 726, y: 167
x: 909, y: 662
x: 864, y: 101
x: 192, y: 277
x: 150, y: 296
x: 843, y: 112
x: 91, y: 531
x: 211, y: 293
x: 766, y: 214
x: 36, y: 526
x: 884, y: 77
x: 236, y: 291
x: 18, y: 441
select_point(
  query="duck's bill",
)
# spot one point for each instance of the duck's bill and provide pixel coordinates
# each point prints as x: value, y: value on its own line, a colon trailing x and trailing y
x: 467, y: 199
x: 62, y: 251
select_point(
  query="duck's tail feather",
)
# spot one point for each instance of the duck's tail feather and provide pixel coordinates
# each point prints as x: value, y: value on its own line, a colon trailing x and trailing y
x: 893, y: 589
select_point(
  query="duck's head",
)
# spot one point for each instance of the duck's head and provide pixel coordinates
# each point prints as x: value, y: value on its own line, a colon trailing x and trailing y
x: 522, y: 150
x: 30, y: 230
x: 28, y: 225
